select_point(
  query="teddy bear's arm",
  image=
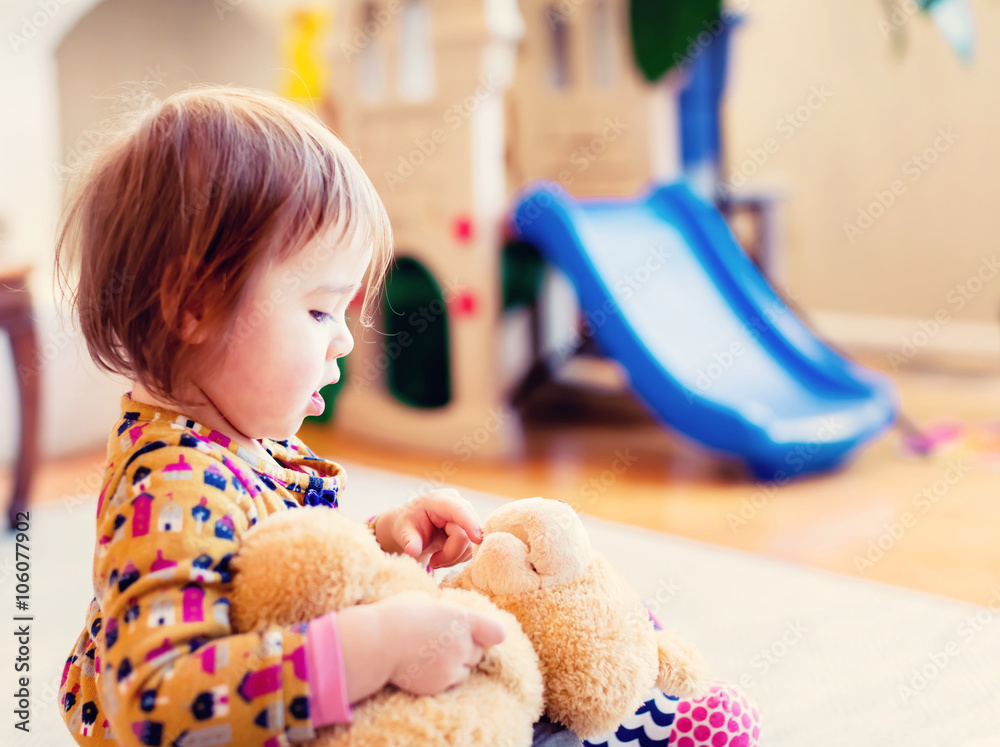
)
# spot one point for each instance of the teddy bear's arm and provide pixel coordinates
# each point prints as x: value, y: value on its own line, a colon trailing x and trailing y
x: 682, y: 670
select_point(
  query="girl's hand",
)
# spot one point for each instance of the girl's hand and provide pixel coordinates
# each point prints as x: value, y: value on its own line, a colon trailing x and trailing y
x: 419, y: 644
x: 437, y: 643
x: 437, y: 528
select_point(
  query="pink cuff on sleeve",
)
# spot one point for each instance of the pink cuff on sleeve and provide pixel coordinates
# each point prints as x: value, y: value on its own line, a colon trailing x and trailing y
x: 327, y: 681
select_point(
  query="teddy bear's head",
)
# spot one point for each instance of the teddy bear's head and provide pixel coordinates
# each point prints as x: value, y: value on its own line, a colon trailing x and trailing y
x: 530, y: 545
x: 597, y: 647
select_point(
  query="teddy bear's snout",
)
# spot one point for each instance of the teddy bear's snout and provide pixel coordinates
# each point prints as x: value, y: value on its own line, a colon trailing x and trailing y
x: 546, y: 538
x: 502, y: 565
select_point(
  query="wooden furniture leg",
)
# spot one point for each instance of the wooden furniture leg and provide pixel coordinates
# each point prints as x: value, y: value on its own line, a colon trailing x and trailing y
x: 17, y: 321
x: 25, y: 345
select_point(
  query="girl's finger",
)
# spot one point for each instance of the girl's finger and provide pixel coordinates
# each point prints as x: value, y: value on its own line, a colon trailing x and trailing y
x: 436, y: 543
x: 454, y: 547
x: 486, y: 631
x: 410, y: 539
x: 475, y: 656
x: 448, y: 506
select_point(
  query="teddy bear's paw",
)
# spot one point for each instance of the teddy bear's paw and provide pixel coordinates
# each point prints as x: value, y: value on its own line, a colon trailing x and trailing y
x: 682, y: 670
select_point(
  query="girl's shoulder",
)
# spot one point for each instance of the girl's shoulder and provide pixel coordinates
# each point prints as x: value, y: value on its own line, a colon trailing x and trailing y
x: 150, y: 445
x: 150, y: 455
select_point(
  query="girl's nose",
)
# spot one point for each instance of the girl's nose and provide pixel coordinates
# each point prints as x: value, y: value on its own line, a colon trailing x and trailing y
x: 340, y: 345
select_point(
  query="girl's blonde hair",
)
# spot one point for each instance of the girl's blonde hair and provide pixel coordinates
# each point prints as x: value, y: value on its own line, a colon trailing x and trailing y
x: 176, y: 215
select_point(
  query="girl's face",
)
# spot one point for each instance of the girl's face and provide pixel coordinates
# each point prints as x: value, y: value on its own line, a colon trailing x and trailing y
x: 286, y: 340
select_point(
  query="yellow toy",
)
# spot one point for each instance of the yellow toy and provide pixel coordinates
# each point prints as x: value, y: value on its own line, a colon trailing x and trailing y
x: 597, y: 653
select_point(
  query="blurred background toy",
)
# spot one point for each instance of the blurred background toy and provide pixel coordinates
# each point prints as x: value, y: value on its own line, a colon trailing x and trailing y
x: 542, y: 95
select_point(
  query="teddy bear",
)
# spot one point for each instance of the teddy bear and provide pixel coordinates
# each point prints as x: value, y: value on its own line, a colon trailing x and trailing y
x: 597, y: 647
x: 298, y: 565
x: 579, y: 643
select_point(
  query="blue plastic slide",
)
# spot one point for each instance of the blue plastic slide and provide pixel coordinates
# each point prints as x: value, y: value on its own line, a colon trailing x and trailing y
x: 707, y: 343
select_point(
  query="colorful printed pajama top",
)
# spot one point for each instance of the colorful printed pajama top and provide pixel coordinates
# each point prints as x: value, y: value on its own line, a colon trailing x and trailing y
x: 157, y: 662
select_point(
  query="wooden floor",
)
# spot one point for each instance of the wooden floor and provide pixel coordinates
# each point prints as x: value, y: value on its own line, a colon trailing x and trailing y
x: 601, y: 453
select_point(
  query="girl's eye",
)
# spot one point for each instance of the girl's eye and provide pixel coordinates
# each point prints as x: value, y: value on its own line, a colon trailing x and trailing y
x: 321, y: 316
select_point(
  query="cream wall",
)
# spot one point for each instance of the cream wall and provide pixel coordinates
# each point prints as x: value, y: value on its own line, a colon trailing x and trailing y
x: 124, y: 47
x: 163, y: 44
x: 882, y: 110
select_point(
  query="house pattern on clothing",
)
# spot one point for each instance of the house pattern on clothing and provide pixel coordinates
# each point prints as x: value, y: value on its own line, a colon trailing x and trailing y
x: 157, y: 662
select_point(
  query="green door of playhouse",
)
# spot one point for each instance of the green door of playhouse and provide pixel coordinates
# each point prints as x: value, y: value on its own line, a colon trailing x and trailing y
x: 415, y: 346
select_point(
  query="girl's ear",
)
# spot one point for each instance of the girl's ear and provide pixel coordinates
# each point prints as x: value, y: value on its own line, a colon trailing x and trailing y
x: 193, y: 331
x: 175, y: 309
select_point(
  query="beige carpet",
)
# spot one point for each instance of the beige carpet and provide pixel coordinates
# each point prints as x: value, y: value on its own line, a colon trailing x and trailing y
x: 826, y: 657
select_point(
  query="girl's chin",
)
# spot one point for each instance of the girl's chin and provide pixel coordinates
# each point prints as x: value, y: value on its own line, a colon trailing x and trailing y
x: 285, y: 430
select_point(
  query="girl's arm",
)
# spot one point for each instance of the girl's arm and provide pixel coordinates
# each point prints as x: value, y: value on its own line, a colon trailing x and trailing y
x: 419, y: 644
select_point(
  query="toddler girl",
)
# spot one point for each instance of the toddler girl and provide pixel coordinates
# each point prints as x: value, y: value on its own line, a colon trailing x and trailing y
x: 220, y: 238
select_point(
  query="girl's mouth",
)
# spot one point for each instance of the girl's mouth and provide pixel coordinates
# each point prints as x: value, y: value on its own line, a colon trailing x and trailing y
x: 316, y: 404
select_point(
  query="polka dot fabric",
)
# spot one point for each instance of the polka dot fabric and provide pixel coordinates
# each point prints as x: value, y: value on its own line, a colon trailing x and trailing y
x: 722, y: 718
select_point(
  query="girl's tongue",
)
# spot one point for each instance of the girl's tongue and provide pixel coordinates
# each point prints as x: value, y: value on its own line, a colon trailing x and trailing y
x: 316, y: 404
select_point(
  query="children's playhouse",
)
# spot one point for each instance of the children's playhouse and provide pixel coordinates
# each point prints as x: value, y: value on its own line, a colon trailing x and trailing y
x: 538, y: 141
